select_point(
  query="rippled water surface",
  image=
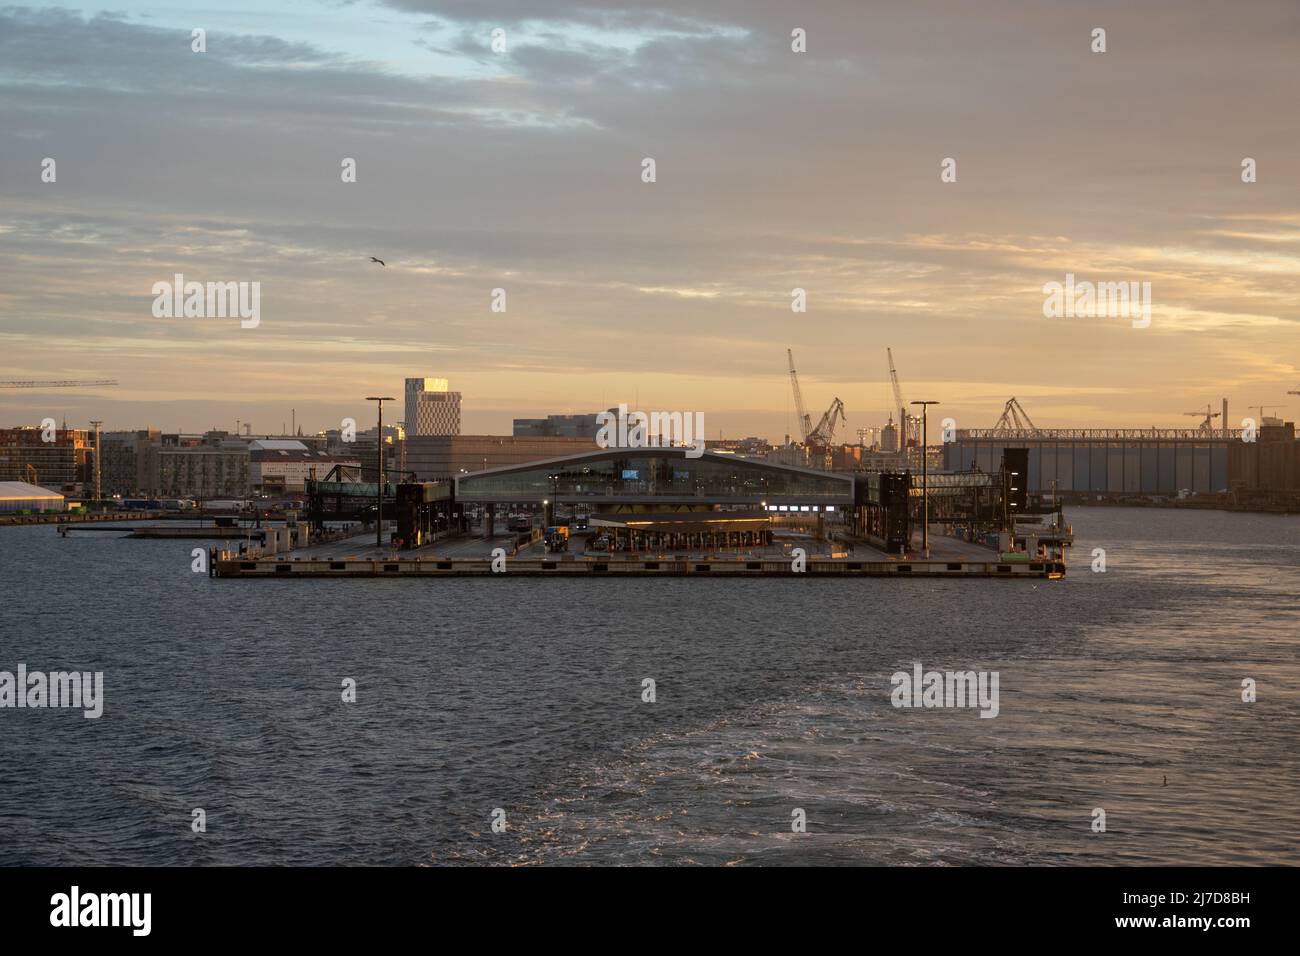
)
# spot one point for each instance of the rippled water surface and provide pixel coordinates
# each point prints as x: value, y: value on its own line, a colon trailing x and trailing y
x: 1119, y: 691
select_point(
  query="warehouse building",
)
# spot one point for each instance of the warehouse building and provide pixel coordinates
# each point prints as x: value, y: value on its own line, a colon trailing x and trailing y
x: 1104, y: 462
x: 1125, y: 462
x: 18, y: 496
x: 279, y: 465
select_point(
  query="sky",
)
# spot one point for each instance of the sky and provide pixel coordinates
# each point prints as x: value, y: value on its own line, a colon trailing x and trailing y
x: 522, y: 170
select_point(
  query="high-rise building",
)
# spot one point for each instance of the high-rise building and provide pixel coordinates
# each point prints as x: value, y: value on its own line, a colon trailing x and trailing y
x: 54, y: 458
x: 431, y: 409
x: 124, y: 468
x: 889, y: 437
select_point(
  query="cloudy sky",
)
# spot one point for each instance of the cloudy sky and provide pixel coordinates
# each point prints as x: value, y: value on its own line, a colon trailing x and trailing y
x: 775, y: 170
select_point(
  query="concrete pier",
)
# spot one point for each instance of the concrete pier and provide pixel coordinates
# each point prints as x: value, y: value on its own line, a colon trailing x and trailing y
x: 560, y: 566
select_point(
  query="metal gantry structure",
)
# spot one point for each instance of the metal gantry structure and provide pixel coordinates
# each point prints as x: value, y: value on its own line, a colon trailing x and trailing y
x: 824, y: 433
x: 1014, y: 421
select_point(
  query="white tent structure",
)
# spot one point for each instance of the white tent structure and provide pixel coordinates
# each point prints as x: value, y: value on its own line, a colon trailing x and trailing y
x: 20, y: 496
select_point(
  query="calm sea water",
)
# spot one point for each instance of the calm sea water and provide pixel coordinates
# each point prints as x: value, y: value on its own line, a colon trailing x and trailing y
x: 772, y: 695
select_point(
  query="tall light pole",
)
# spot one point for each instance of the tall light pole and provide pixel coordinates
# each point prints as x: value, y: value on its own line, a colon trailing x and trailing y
x: 98, y: 496
x: 555, y: 500
x: 379, y: 495
x: 925, y: 478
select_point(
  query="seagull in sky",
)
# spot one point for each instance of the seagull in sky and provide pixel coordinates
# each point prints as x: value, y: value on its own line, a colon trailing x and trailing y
x: 380, y: 261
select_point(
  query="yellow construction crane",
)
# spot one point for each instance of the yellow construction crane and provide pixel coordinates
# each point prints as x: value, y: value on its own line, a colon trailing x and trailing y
x: 1208, y: 424
x: 61, y: 383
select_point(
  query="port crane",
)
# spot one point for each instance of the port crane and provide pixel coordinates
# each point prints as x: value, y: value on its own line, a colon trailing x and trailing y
x: 824, y: 432
x: 805, y: 423
x: 822, y: 436
x: 1208, y: 424
x: 909, y: 425
x: 1014, y: 420
x: 61, y: 383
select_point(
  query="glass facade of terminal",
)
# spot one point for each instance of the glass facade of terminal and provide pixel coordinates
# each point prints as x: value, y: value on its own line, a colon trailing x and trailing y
x: 640, y: 474
x: 1105, y: 467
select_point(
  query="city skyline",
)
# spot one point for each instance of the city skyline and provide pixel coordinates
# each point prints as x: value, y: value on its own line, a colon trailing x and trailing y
x: 522, y: 170
x: 502, y: 421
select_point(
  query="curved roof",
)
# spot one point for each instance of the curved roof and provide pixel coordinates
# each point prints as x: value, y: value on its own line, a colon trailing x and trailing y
x: 654, y: 475
x: 667, y: 451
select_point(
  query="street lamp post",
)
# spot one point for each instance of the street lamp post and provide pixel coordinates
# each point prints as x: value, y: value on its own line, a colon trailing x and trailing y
x: 379, y: 495
x: 925, y: 479
x: 555, y: 500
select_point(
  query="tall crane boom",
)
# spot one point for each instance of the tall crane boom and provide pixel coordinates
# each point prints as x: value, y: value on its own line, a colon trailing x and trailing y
x: 824, y: 433
x: 909, y: 425
x: 60, y: 384
x: 805, y: 423
x: 898, y: 389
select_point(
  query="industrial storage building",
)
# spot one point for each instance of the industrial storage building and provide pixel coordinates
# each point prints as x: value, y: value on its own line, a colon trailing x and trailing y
x: 1104, y: 463
x: 1120, y: 462
x: 20, y: 496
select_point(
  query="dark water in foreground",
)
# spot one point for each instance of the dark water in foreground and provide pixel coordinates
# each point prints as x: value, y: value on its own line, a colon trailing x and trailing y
x: 772, y: 695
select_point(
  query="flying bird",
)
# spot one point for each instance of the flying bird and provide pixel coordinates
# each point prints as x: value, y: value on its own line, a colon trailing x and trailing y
x: 380, y: 261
